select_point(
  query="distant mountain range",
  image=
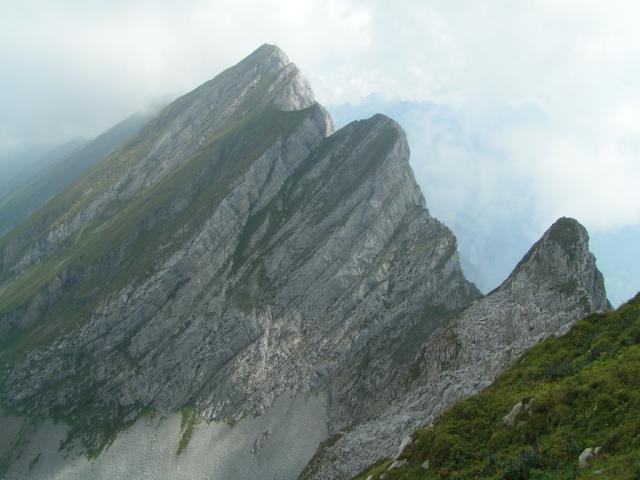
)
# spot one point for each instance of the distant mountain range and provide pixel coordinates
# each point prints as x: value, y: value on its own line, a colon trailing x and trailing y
x: 61, y: 168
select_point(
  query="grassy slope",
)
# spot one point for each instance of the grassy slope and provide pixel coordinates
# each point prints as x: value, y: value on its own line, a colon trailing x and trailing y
x: 585, y: 392
x: 35, y: 192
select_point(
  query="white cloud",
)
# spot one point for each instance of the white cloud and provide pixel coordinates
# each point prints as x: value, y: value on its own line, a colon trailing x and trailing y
x: 74, y: 68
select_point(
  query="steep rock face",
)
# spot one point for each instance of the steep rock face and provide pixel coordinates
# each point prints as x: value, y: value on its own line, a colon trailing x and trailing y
x: 556, y: 283
x: 232, y: 251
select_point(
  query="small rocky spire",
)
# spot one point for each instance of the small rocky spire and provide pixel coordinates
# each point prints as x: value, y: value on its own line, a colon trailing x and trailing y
x: 561, y: 259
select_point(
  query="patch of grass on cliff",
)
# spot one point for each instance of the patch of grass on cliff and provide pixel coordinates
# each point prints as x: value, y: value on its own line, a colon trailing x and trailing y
x: 585, y: 392
x: 95, y: 429
x: 190, y: 419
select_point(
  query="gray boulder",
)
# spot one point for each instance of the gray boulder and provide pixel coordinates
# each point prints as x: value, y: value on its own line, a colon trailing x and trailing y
x: 587, y: 455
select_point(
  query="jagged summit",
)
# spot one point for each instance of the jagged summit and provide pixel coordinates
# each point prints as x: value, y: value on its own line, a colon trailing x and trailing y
x: 567, y: 231
x: 384, y: 130
x: 265, y: 76
x: 380, y: 120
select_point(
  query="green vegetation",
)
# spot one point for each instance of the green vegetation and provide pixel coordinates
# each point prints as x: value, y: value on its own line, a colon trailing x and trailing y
x: 584, y: 389
x: 568, y: 287
x: 190, y: 419
x: 97, y: 428
x: 230, y: 420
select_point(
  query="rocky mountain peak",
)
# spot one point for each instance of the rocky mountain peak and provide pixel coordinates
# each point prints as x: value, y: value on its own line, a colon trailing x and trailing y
x: 237, y: 252
x: 268, y: 57
x: 561, y: 260
x: 265, y: 77
x: 266, y: 81
x: 235, y: 236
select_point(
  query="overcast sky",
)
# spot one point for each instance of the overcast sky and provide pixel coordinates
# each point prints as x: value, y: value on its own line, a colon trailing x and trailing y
x: 548, y: 91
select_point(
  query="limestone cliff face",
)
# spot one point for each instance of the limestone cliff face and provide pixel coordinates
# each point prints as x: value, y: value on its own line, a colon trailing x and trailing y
x: 556, y: 283
x: 234, y: 250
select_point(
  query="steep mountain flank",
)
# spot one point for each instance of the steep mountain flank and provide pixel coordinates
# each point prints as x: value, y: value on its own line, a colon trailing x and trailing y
x: 568, y: 408
x: 555, y: 284
x: 22, y: 166
x: 63, y: 171
x: 234, y: 252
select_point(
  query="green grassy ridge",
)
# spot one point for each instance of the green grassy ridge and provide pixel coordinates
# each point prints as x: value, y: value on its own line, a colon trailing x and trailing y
x: 35, y: 192
x: 202, y: 181
x: 585, y: 392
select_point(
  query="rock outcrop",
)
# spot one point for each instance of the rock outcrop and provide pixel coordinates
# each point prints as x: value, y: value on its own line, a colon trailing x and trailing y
x: 556, y: 283
x: 587, y: 455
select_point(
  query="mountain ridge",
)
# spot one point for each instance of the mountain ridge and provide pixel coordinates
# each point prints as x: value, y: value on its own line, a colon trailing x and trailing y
x: 37, y: 189
x: 554, y: 284
x: 237, y: 254
x: 273, y: 245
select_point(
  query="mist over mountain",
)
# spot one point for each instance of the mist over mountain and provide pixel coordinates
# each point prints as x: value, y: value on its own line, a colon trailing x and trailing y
x: 18, y: 167
x: 478, y: 189
x: 468, y: 183
x: 53, y: 172
x: 539, y: 124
